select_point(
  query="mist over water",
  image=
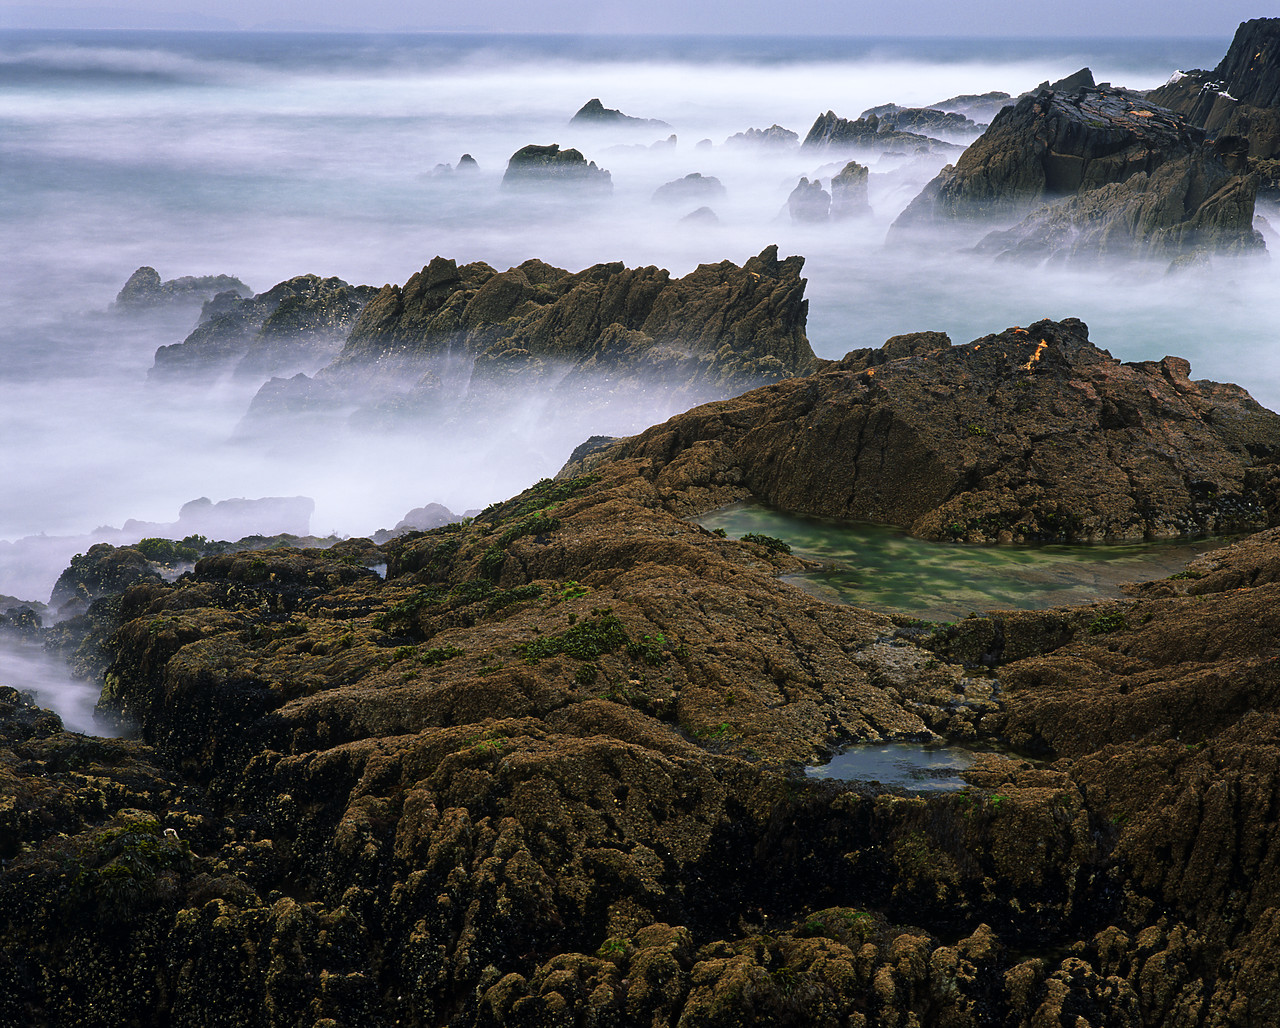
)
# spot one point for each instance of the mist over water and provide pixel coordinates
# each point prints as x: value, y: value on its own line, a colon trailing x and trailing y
x: 267, y: 157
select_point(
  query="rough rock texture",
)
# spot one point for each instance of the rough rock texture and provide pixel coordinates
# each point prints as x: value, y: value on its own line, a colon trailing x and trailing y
x: 835, y: 134
x: 981, y: 107
x: 472, y: 333
x: 923, y: 120
x: 849, y: 192
x: 809, y: 201
x: 693, y: 188
x: 1030, y: 434
x: 299, y: 322
x: 593, y: 112
x: 775, y: 137
x: 1168, y: 187
x: 146, y: 290
x: 1241, y: 96
x: 535, y: 165
x: 543, y: 773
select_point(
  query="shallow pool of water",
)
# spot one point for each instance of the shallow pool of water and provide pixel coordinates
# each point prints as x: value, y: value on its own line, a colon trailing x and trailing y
x: 901, y: 765
x: 884, y: 568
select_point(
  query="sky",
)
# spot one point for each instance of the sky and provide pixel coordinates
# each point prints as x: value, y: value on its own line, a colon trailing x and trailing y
x: 1004, y: 18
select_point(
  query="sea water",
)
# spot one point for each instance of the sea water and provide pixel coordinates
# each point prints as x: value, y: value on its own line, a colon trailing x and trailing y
x: 271, y: 155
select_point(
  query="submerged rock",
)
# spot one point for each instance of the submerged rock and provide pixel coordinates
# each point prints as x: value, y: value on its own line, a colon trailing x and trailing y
x: 145, y: 289
x: 832, y: 133
x: 775, y: 137
x: 922, y: 120
x: 593, y: 112
x: 849, y: 192
x: 809, y: 201
x: 302, y: 321
x: 535, y: 165
x: 690, y: 189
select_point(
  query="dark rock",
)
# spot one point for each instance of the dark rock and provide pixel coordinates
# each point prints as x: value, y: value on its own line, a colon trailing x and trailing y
x: 535, y: 165
x: 1158, y: 185
x: 690, y: 189
x: 849, y: 192
x: 981, y: 107
x: 104, y: 570
x: 809, y: 201
x: 832, y: 133
x: 775, y: 137
x: 467, y: 163
x: 302, y: 321
x: 922, y: 120
x: 1241, y: 96
x: 145, y: 289
x: 593, y: 112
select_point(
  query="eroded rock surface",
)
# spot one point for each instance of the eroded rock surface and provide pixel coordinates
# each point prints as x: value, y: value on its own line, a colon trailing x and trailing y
x: 835, y: 134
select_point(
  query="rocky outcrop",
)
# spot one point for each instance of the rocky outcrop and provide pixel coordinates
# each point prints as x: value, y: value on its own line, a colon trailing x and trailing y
x: 1145, y: 181
x: 693, y: 188
x: 544, y: 772
x: 981, y: 107
x: 471, y: 335
x: 593, y: 112
x: 533, y: 166
x: 233, y: 518
x: 833, y: 134
x: 775, y: 137
x: 1241, y: 96
x: 1033, y: 433
x: 809, y: 201
x: 145, y: 290
x: 926, y: 121
x: 297, y: 324
x: 849, y: 192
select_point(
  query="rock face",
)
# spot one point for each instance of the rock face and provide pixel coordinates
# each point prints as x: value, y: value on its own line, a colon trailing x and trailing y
x: 1241, y: 96
x: 545, y: 772
x: 146, y: 290
x: 693, y: 188
x: 1031, y: 434
x: 1158, y: 184
x: 593, y: 112
x: 925, y: 121
x: 301, y: 322
x: 834, y: 134
x: 535, y: 165
x: 809, y: 201
x: 849, y: 192
x: 470, y: 334
x: 981, y: 107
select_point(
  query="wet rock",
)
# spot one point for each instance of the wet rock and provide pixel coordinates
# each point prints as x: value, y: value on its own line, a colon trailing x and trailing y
x: 1241, y: 96
x: 927, y: 121
x: 692, y: 188
x: 849, y: 192
x: 302, y: 321
x: 809, y: 202
x: 535, y: 165
x: 834, y: 134
x: 593, y: 112
x: 145, y: 290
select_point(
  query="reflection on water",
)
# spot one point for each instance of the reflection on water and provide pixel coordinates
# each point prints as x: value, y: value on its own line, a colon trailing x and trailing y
x: 883, y: 568
x: 905, y: 765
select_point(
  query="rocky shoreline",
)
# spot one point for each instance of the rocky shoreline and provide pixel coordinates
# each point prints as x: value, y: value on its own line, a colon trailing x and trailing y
x: 545, y: 772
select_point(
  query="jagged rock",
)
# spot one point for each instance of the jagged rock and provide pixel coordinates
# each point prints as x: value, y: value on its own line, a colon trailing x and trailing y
x: 775, y: 137
x: 593, y: 112
x: 922, y: 120
x: 849, y: 192
x: 981, y: 107
x: 549, y: 165
x: 809, y: 201
x: 474, y: 332
x: 832, y: 133
x: 302, y: 321
x: 1241, y: 96
x: 1165, y: 186
x: 145, y: 289
x: 690, y: 189
x: 1030, y: 434
x: 103, y: 571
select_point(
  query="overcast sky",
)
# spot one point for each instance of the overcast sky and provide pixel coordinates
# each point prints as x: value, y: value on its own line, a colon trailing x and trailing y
x: 802, y: 17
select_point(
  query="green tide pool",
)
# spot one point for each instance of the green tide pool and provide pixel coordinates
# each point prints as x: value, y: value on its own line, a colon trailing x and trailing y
x: 883, y: 568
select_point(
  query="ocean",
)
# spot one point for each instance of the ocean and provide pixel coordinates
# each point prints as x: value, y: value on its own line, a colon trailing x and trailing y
x: 266, y: 156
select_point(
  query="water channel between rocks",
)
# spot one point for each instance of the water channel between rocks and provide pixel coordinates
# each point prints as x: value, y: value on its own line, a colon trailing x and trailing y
x: 884, y: 568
